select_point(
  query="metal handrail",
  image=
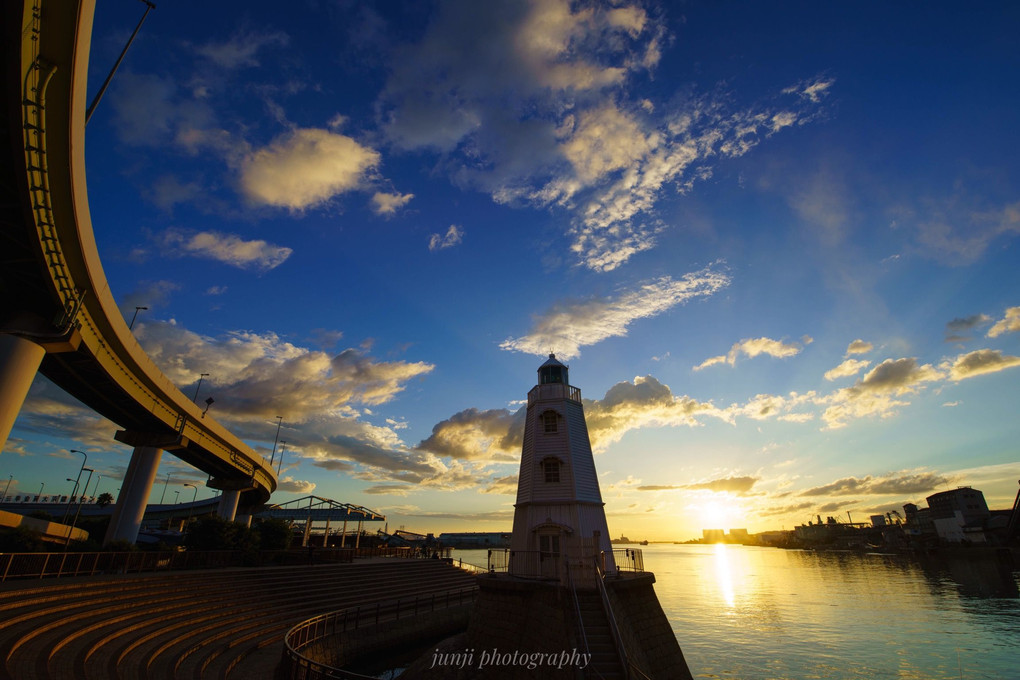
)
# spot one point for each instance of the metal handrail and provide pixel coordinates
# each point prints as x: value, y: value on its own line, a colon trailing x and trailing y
x: 328, y: 625
x: 61, y: 564
x: 577, y: 608
x: 613, y: 628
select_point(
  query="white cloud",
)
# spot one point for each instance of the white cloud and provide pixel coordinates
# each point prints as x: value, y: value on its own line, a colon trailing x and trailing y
x: 529, y: 102
x: 240, y: 50
x: 848, y: 367
x: 879, y: 393
x: 980, y: 362
x: 568, y: 326
x: 903, y: 483
x: 454, y: 235
x: 227, y: 248
x: 957, y: 231
x: 149, y: 294
x: 389, y: 204
x: 752, y: 347
x: 255, y: 376
x: 1010, y: 323
x: 497, y: 435
x: 765, y: 406
x: 859, y: 347
x: 305, y: 167
x: 291, y: 485
x: 812, y: 90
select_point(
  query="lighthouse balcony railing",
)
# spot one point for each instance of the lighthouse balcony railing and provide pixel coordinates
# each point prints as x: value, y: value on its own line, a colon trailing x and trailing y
x: 554, y: 391
x: 528, y: 564
x: 627, y: 559
x: 535, y: 564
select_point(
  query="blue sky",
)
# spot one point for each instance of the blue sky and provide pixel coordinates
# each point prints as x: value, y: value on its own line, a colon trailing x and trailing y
x: 776, y: 243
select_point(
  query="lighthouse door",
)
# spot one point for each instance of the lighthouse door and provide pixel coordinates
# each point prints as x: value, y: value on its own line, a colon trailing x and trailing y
x: 549, y: 555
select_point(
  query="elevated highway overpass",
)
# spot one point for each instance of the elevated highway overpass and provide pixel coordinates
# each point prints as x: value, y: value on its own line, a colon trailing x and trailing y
x: 57, y: 313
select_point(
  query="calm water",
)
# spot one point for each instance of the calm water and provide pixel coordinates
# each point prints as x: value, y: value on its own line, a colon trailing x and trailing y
x: 762, y: 613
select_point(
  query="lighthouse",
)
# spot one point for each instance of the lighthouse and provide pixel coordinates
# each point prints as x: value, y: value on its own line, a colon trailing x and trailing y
x: 559, y: 514
x: 560, y: 588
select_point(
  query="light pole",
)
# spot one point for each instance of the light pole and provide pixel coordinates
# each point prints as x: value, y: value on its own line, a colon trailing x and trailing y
x: 78, y: 511
x: 67, y: 510
x: 199, y: 386
x: 164, y: 488
x: 283, y: 449
x: 41, y: 487
x: 279, y: 424
x: 193, y: 499
x: 9, y: 480
x: 177, y: 497
x: 132, y: 324
x: 208, y: 403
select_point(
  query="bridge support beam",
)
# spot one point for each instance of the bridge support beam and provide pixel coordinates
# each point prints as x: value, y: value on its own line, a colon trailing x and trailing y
x: 134, y: 495
x: 228, y: 504
x: 19, y: 362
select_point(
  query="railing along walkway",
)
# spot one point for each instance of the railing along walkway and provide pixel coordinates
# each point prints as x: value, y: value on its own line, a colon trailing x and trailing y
x: 66, y: 564
x: 315, y: 631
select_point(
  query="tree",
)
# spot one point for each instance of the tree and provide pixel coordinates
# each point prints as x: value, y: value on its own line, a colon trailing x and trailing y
x: 21, y: 539
x: 274, y: 534
x: 104, y: 499
x: 215, y: 533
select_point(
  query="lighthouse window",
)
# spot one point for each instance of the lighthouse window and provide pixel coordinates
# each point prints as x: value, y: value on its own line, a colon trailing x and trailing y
x: 552, y: 471
x: 549, y: 421
x: 549, y: 544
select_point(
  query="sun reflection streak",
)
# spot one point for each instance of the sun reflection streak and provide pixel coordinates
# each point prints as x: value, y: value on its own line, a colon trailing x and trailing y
x: 723, y: 574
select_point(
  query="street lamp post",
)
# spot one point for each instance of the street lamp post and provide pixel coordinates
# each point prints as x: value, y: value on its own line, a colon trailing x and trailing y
x: 208, y: 403
x: 78, y: 511
x: 199, y: 386
x: 41, y: 487
x: 193, y: 499
x: 177, y: 497
x: 283, y: 449
x: 164, y: 488
x: 67, y: 510
x: 132, y: 324
x: 279, y: 424
x: 9, y: 480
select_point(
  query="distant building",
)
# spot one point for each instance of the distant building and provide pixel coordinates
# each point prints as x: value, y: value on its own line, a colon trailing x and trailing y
x: 959, y: 515
x: 713, y: 535
x: 738, y: 535
x: 475, y: 539
x: 877, y: 520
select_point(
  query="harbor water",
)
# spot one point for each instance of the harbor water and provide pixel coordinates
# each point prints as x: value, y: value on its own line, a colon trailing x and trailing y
x: 751, y: 613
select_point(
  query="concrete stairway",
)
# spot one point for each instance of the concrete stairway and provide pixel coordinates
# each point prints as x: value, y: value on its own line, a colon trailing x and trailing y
x: 605, y: 661
x: 198, y: 625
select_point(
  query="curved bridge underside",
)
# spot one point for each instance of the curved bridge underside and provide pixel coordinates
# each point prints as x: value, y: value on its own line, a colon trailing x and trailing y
x: 53, y: 291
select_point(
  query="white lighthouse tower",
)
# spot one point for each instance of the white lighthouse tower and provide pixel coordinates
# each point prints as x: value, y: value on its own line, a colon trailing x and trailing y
x: 559, y: 512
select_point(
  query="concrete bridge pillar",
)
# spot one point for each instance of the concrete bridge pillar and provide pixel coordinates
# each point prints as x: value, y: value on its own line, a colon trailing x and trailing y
x: 134, y: 494
x: 243, y: 519
x: 228, y: 504
x: 19, y: 361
